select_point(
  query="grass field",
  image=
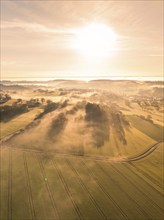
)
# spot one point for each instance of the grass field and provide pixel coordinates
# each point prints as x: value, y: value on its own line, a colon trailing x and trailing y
x: 157, y: 116
x: 18, y: 122
x: 48, y: 186
x: 150, y: 129
x: 137, y: 142
x: 9, y: 102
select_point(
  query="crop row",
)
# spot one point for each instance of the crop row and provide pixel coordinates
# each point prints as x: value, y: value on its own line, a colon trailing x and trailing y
x: 108, y: 189
x: 138, y: 188
x: 33, y: 214
x: 147, y: 175
x: 10, y: 186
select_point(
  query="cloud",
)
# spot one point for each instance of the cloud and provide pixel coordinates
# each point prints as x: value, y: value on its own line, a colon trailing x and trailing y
x: 39, y: 35
x: 34, y: 27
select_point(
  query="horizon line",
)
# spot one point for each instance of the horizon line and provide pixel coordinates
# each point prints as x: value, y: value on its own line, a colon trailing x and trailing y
x: 139, y: 78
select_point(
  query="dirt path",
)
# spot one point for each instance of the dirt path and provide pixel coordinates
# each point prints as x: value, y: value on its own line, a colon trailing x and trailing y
x: 144, y: 154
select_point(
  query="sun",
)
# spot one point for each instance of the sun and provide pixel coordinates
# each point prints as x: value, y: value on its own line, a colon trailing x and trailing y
x: 95, y: 40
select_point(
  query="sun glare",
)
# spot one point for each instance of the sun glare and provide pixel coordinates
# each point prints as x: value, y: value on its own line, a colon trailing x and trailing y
x: 95, y: 40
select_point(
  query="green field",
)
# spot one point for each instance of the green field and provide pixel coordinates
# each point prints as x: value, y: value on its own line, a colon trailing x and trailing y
x: 49, y: 186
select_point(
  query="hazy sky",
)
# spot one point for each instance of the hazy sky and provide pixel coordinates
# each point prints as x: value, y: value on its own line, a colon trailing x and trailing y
x: 37, y: 38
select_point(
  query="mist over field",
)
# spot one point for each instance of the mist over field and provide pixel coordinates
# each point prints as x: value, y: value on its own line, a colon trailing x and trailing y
x: 96, y: 142
x: 87, y: 117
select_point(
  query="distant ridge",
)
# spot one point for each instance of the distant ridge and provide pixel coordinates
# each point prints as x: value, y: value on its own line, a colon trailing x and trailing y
x: 102, y: 78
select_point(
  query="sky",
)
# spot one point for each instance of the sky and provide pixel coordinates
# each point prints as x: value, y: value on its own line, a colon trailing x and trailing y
x: 40, y: 39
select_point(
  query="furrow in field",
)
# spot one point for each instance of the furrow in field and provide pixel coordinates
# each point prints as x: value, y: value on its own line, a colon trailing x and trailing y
x: 20, y: 196
x: 139, y: 211
x: 147, y: 175
x: 152, y: 202
x: 67, y: 190
x: 148, y: 181
x: 4, y: 178
x: 86, y: 189
x: 10, y: 186
x: 153, y: 173
x: 63, y: 201
x: 29, y: 187
x: 147, y: 197
x: 42, y: 202
x: 47, y: 186
x: 104, y: 191
x: 103, y: 200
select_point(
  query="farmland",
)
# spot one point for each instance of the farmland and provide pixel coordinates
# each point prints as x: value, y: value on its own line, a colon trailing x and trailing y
x: 17, y: 123
x: 80, y: 154
x: 44, y: 185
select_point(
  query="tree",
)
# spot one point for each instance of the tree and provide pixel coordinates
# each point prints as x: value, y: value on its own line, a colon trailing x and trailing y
x: 8, y: 96
x: 19, y: 100
x: 9, y: 111
x: 42, y: 100
x: 49, y: 101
